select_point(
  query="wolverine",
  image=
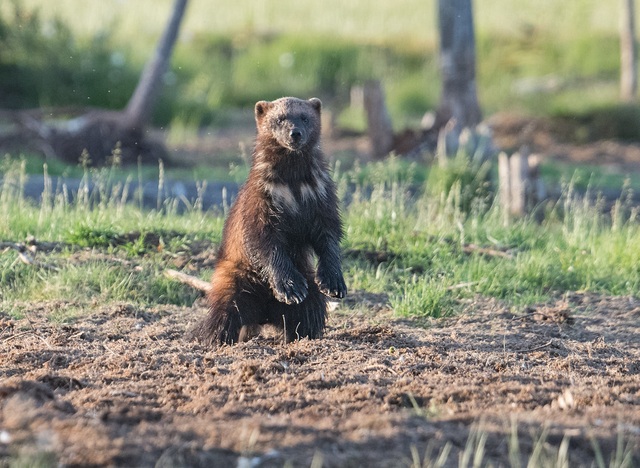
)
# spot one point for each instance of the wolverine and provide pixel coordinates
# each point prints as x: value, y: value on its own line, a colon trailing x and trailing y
x: 279, y: 258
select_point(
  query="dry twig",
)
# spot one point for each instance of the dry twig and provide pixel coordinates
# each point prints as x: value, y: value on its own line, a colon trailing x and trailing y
x: 192, y: 281
x: 26, y: 254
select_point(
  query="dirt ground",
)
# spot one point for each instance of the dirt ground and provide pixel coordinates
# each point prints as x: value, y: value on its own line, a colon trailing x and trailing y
x: 123, y: 387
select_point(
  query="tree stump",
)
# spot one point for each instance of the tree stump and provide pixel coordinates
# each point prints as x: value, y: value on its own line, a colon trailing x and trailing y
x: 520, y: 185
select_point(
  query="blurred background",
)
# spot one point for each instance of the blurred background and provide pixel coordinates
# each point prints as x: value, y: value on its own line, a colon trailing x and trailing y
x: 547, y: 76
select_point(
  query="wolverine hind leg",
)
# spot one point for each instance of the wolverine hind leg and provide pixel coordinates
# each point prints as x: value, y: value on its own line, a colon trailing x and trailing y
x: 304, y: 320
x: 221, y: 325
x: 235, y: 313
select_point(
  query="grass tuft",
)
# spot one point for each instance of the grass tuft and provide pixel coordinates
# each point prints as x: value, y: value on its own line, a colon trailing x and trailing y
x: 543, y: 452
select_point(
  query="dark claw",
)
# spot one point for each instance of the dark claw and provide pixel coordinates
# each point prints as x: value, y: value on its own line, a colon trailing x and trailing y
x: 291, y: 291
x: 335, y: 287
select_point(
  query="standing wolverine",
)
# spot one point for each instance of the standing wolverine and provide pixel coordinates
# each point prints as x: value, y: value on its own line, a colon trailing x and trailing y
x: 286, y: 211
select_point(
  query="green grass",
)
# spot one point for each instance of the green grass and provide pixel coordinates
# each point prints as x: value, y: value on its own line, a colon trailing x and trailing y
x: 120, y: 266
x: 99, y: 282
x: 577, y: 247
x: 429, y: 269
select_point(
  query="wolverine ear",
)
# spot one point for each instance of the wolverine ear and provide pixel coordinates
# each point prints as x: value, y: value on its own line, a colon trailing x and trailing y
x: 261, y: 109
x: 316, y: 103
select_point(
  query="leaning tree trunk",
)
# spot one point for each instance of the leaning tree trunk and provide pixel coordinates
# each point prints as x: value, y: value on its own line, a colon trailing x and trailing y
x: 628, y: 52
x: 98, y: 133
x: 106, y: 136
x: 458, y: 99
x: 140, y: 106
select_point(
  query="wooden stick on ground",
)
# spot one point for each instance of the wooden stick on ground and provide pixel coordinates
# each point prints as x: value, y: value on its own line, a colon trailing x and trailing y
x: 26, y: 254
x: 28, y: 259
x: 192, y: 281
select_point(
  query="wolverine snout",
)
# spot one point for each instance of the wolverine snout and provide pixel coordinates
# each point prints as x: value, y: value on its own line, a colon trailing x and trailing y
x: 294, y: 138
x: 296, y: 135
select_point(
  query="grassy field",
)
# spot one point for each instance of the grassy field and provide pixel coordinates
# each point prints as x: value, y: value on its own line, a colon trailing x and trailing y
x: 517, y: 41
x: 433, y: 252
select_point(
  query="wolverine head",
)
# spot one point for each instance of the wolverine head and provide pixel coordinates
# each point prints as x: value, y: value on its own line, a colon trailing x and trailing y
x: 290, y: 122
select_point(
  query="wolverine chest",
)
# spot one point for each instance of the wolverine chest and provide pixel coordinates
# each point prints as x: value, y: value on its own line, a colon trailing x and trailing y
x: 296, y: 200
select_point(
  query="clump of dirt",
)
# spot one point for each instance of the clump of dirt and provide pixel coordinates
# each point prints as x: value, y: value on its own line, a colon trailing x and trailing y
x: 122, y: 387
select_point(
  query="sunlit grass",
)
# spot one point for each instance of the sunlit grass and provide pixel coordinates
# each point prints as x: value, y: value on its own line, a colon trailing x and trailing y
x: 435, y: 250
x: 579, y: 246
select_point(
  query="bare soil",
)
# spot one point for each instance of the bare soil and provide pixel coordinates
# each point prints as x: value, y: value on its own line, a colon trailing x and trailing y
x: 123, y: 387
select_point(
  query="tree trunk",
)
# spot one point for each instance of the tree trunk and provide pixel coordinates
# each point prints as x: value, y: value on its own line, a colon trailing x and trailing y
x: 628, y: 52
x: 458, y: 99
x: 378, y: 121
x: 140, y: 106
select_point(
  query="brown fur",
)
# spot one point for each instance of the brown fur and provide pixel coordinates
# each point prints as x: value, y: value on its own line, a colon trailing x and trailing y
x: 286, y: 212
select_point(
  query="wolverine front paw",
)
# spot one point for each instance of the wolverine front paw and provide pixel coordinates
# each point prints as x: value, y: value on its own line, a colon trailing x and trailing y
x: 331, y: 285
x: 291, y: 290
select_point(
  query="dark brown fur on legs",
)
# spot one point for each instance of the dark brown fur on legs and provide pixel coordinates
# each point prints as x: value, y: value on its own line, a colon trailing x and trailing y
x: 285, y: 213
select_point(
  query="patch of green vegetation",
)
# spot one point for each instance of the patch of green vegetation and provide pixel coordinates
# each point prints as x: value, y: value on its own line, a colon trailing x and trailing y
x: 423, y: 297
x: 95, y: 281
x: 425, y: 250
x: 64, y: 313
x: 436, y: 260
x: 134, y: 243
x: 84, y: 236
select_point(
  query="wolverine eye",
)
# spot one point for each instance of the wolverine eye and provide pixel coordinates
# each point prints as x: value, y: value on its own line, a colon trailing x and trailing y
x: 305, y: 119
x: 280, y: 120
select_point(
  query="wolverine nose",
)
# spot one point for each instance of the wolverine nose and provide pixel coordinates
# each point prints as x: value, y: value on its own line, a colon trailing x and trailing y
x: 295, y: 135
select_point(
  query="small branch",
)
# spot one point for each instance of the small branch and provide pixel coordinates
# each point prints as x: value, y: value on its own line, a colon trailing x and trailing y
x: 192, y: 281
x: 26, y: 254
x: 25, y: 333
x: 17, y: 335
x: 27, y: 259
